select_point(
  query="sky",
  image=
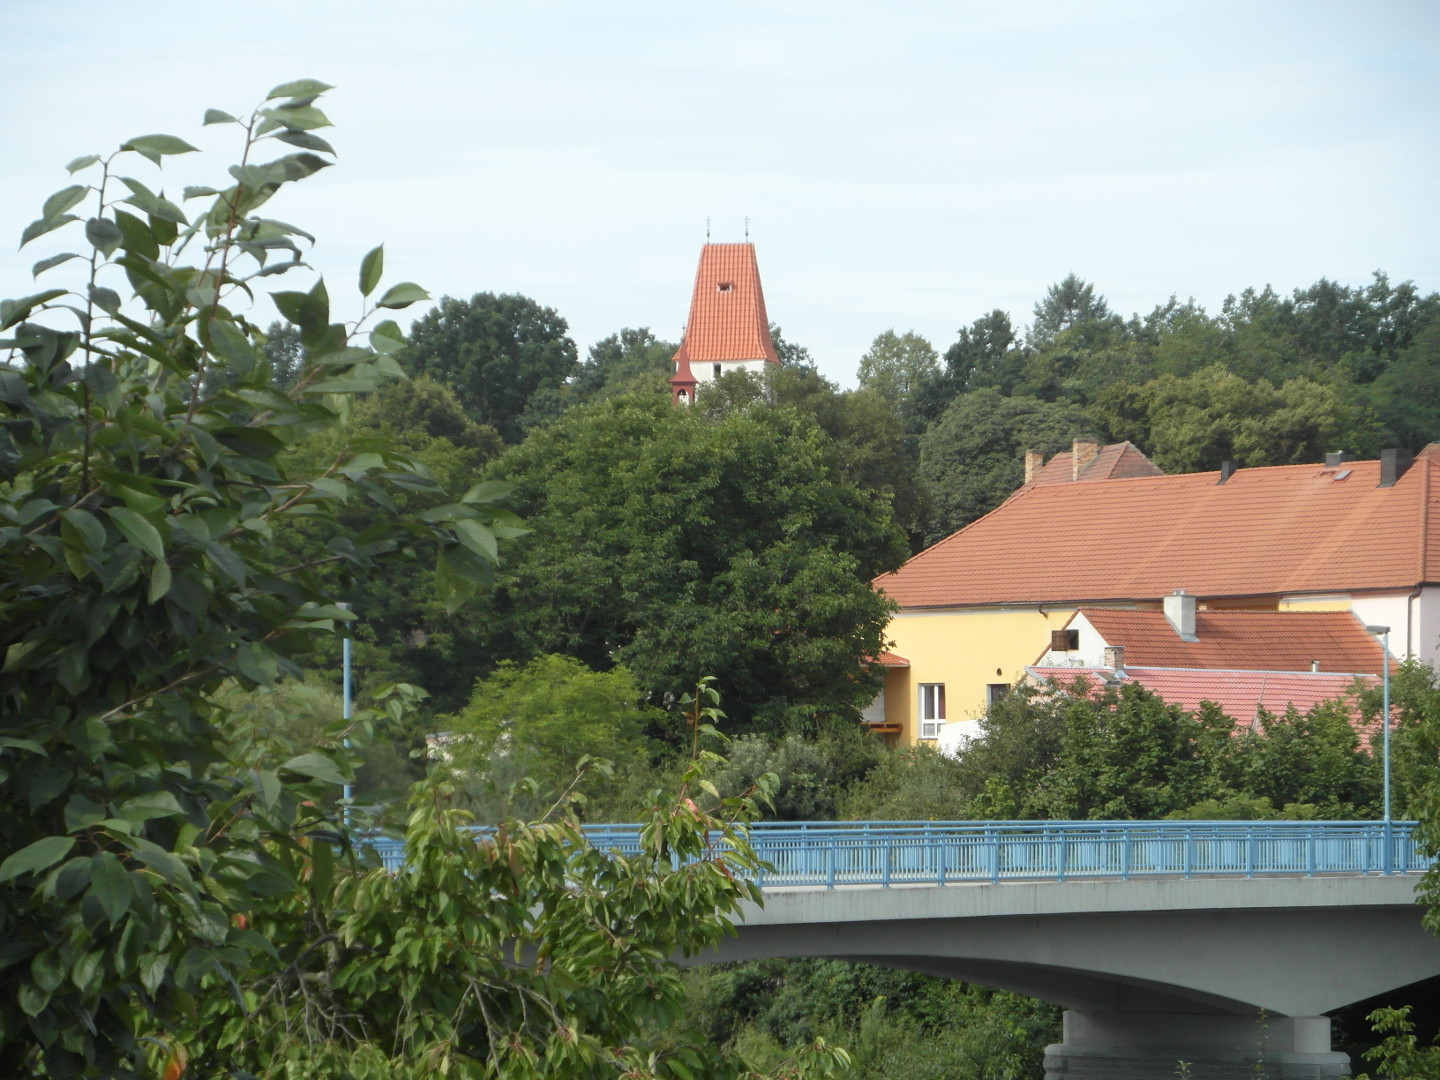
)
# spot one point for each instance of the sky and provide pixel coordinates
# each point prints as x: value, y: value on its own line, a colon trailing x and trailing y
x: 898, y: 166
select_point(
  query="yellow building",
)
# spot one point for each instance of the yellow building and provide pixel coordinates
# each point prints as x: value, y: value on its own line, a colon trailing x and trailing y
x: 1101, y: 527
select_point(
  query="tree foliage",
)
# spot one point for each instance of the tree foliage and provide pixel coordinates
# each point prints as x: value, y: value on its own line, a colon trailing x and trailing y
x: 631, y: 359
x: 497, y: 352
x: 139, y: 499
x: 517, y: 953
x: 895, y: 365
x: 541, y: 723
x: 675, y: 543
x: 974, y: 457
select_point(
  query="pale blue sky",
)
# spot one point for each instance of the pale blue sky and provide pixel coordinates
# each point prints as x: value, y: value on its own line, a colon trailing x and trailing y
x: 909, y: 168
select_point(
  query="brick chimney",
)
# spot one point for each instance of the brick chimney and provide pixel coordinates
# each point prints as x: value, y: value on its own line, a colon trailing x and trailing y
x: 1114, y: 657
x: 1034, y: 461
x: 1082, y: 453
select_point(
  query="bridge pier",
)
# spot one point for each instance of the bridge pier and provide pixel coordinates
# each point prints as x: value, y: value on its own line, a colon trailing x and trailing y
x: 1102, y: 1045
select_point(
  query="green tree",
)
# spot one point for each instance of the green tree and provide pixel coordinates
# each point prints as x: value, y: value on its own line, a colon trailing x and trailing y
x: 790, y: 354
x: 405, y: 629
x: 673, y: 542
x: 138, y: 503
x: 974, y: 456
x: 896, y: 364
x: 1192, y: 423
x: 986, y: 355
x: 496, y: 352
x: 1072, y: 305
x: 540, y: 722
x: 632, y: 359
x: 867, y: 444
x: 520, y: 953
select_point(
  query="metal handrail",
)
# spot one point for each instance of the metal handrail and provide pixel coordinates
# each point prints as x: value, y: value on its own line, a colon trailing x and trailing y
x: 831, y: 854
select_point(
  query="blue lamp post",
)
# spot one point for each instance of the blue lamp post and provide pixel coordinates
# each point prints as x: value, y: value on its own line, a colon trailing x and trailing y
x: 348, y: 791
x: 1383, y: 632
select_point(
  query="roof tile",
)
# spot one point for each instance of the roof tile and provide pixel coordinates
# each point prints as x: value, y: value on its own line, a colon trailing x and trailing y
x: 1243, y: 640
x: 1285, y: 530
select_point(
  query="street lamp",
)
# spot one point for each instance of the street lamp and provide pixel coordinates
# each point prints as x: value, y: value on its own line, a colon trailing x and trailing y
x: 1383, y: 632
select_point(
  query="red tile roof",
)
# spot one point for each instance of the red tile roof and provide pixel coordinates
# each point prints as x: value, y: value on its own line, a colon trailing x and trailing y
x: 889, y: 659
x: 1240, y: 694
x: 1110, y: 463
x: 1242, y: 640
x: 1290, y: 529
x: 727, y: 310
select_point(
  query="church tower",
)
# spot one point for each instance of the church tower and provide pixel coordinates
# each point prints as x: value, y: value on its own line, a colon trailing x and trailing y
x: 728, y: 329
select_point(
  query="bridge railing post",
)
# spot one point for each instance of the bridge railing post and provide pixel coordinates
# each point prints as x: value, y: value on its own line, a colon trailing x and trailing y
x: 992, y: 835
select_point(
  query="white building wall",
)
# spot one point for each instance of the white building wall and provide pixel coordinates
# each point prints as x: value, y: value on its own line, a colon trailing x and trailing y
x: 703, y: 371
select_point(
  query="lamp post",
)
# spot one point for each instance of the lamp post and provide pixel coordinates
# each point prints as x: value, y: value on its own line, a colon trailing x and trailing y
x: 1383, y: 632
x: 347, y: 793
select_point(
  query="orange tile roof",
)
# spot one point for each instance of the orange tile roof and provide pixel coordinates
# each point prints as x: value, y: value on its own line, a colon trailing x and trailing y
x: 1240, y: 694
x: 1290, y: 529
x: 1110, y: 463
x: 727, y: 310
x: 889, y: 659
x: 1242, y: 640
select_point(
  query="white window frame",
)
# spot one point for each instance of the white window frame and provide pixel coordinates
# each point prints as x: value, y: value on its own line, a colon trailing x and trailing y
x: 931, y: 709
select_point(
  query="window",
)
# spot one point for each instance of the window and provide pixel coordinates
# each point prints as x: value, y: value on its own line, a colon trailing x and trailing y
x: 932, y: 709
x: 995, y: 693
x: 717, y: 371
x: 725, y: 286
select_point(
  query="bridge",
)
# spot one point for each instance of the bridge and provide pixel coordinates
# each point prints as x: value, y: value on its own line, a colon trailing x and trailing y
x: 1221, y: 944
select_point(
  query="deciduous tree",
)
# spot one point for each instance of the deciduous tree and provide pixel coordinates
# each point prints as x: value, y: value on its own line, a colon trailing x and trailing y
x: 139, y: 499
x: 496, y: 352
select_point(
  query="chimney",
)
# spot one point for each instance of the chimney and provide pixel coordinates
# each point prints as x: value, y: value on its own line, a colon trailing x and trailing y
x: 1338, y: 458
x: 1034, y: 461
x: 1114, y: 657
x: 1393, y: 464
x: 1227, y: 470
x: 1180, y: 612
x: 1082, y: 453
x: 1314, y: 665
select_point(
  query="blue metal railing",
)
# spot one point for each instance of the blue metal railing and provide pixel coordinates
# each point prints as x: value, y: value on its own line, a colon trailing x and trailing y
x: 885, y: 853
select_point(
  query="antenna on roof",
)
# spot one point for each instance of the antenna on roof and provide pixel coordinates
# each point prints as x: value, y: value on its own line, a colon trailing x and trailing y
x: 707, y: 230
x: 747, y: 228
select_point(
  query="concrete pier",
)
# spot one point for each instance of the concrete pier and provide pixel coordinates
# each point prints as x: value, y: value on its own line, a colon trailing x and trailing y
x: 1152, y: 1046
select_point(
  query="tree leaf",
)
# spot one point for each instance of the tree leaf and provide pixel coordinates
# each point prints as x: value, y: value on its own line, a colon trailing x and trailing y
x: 107, y: 300
x: 160, y: 580
x: 104, y: 234
x: 307, y: 140
x: 298, y: 88
x: 110, y: 885
x: 63, y: 200
x: 216, y: 116
x: 371, y: 267
x: 317, y: 766
x: 82, y: 163
x: 53, y: 261
x: 403, y: 295
x: 86, y: 529
x: 43, y: 226
x: 40, y: 855
x: 137, y: 530
x: 154, y: 146
x: 387, y: 338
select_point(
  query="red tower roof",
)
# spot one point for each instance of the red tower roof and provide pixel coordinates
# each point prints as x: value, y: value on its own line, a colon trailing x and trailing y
x: 727, y: 313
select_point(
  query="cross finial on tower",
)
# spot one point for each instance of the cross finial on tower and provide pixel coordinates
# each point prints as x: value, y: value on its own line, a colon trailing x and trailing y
x: 747, y: 228
x: 707, y: 230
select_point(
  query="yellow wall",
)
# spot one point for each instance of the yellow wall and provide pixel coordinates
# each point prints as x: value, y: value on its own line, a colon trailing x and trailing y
x: 965, y: 650
x: 1314, y: 603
